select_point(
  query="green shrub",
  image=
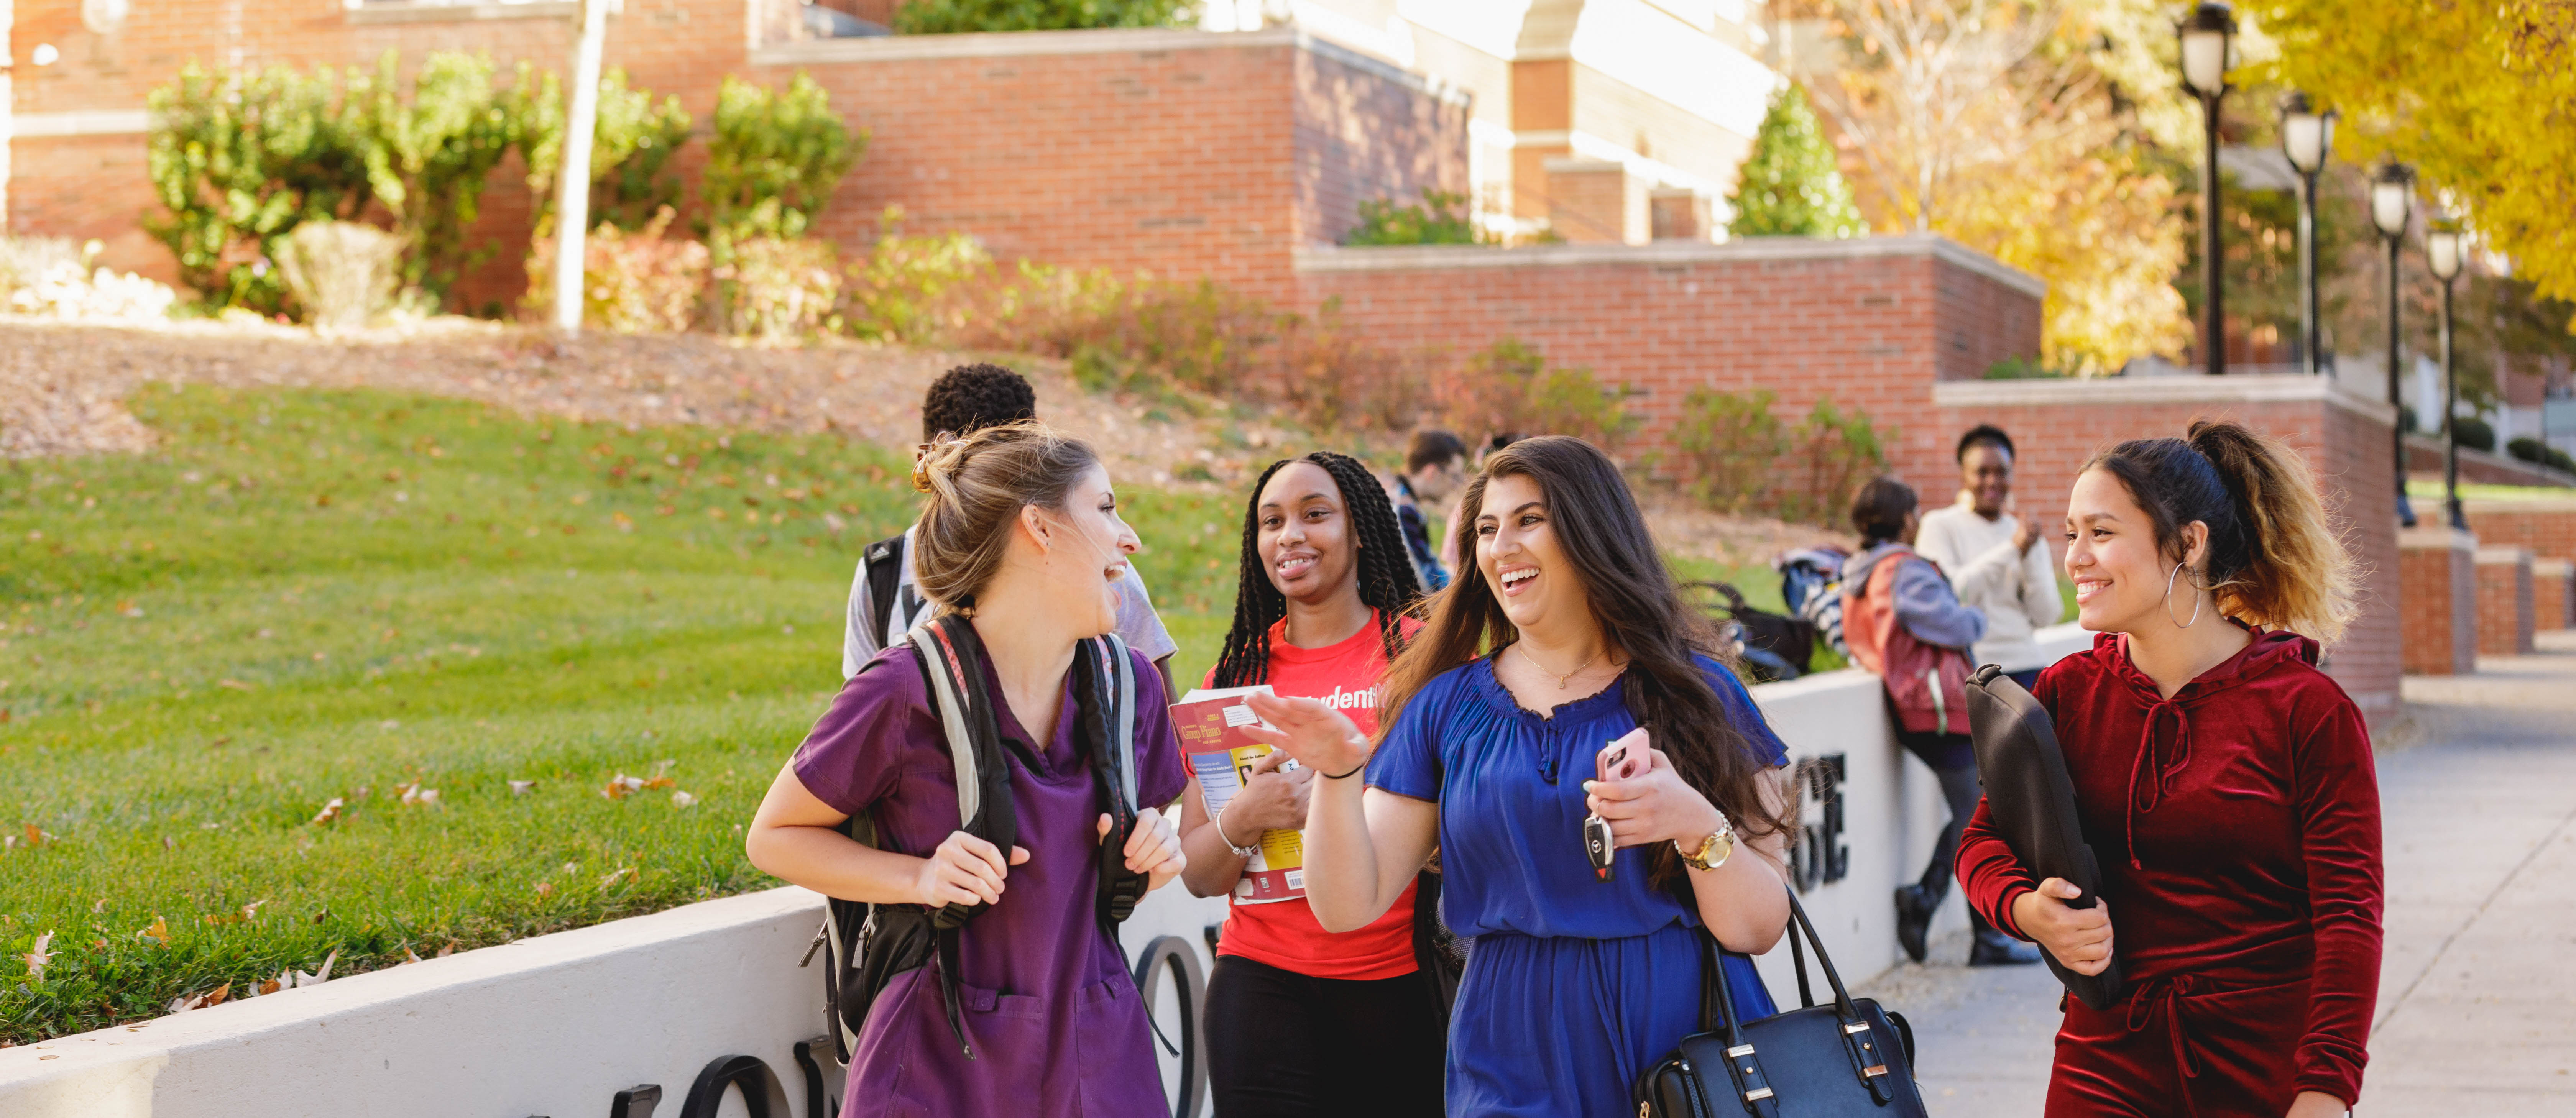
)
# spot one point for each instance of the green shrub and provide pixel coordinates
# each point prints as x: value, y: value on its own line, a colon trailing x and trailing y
x: 902, y: 292
x: 773, y: 161
x: 2023, y: 368
x: 780, y: 289
x: 1725, y: 446
x: 631, y: 146
x: 429, y: 158
x: 237, y: 160
x: 2474, y: 433
x: 1830, y: 454
x: 2539, y: 453
x: 1512, y: 388
x: 934, y: 17
x: 343, y: 274
x: 1439, y: 219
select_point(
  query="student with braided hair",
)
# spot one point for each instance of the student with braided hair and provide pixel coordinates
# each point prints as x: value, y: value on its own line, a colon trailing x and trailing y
x: 1301, y: 1021
x: 2225, y: 783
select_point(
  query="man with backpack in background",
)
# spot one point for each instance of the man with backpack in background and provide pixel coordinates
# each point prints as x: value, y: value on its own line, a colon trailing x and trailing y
x: 1435, y: 466
x: 1995, y: 558
x: 883, y: 602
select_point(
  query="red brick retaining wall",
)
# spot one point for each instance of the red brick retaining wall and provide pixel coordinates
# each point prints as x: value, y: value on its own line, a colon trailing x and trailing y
x: 1873, y: 323
x: 2547, y: 527
x: 2553, y: 594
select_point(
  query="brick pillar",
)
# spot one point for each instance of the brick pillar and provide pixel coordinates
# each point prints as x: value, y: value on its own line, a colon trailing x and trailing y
x: 2438, y: 601
x: 2504, y: 601
x: 2553, y: 594
x: 1595, y: 201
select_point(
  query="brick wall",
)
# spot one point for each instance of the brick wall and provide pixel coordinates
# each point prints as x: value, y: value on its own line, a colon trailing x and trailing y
x: 1872, y: 323
x: 2439, y: 627
x: 2547, y: 527
x: 1176, y: 152
x: 2553, y: 594
x: 2504, y: 601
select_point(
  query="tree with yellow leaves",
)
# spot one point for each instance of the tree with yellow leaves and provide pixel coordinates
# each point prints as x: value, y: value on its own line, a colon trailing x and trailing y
x: 1994, y: 122
x: 2480, y: 97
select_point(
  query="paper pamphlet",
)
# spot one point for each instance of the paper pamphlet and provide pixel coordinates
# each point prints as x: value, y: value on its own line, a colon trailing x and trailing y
x: 1221, y: 757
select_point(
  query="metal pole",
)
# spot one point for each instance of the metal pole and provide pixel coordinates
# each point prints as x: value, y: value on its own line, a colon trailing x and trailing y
x: 572, y: 175
x: 2397, y: 429
x: 2212, y: 263
x: 2450, y: 422
x: 2308, y: 329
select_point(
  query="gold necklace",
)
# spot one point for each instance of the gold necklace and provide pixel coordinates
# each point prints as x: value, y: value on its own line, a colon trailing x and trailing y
x: 1560, y: 679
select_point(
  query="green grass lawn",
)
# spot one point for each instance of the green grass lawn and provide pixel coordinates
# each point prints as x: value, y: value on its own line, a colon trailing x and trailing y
x: 308, y: 596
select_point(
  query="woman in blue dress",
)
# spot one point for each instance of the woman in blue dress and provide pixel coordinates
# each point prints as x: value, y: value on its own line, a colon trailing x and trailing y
x: 1564, y: 636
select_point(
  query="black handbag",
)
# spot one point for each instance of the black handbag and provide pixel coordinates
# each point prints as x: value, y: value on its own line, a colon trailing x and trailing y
x: 2031, y: 800
x: 1816, y: 1061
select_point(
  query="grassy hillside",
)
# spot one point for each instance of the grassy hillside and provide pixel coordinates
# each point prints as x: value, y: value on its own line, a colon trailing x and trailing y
x: 308, y: 596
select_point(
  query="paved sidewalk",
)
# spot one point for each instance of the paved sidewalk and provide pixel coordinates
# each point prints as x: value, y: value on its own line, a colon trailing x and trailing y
x: 2477, y: 994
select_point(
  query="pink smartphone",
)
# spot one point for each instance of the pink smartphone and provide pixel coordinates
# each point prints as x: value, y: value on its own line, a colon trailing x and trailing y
x: 1619, y: 760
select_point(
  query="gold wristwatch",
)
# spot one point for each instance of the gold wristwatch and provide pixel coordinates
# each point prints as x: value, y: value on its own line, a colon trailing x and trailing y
x: 1713, y: 850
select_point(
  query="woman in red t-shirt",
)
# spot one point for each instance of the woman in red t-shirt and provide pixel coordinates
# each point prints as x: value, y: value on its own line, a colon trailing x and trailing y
x: 1301, y: 1021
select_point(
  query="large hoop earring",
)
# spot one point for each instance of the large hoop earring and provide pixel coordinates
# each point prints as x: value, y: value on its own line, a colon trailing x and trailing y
x: 2195, y: 600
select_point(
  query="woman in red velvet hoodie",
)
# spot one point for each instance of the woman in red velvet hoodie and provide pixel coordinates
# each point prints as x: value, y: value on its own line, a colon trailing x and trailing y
x: 2224, y: 782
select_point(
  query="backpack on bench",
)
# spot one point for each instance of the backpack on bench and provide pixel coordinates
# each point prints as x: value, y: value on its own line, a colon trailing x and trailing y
x: 866, y: 946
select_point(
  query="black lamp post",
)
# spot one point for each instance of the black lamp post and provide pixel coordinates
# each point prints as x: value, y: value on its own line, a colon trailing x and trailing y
x: 2307, y: 137
x: 2205, y: 37
x: 2442, y: 252
x: 2392, y: 200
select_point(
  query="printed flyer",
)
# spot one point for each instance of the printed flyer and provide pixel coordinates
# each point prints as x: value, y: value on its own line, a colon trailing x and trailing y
x: 1210, y: 724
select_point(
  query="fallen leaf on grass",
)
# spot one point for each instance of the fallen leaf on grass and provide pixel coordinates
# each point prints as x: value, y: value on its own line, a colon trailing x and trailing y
x: 330, y: 812
x: 682, y: 799
x: 37, y: 836
x: 271, y: 986
x: 37, y: 958
x: 446, y: 951
x: 621, y: 784
x: 321, y: 976
x: 413, y: 795
x: 408, y: 958
x: 235, y: 684
x: 202, y: 999
x: 521, y: 787
x: 545, y: 888
x: 159, y: 930
x: 627, y: 873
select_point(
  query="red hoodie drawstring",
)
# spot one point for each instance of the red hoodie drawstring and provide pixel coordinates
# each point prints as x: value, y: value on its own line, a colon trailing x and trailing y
x: 2161, y: 772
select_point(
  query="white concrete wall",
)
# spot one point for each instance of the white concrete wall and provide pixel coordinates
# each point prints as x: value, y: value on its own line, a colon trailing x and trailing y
x: 555, y: 1025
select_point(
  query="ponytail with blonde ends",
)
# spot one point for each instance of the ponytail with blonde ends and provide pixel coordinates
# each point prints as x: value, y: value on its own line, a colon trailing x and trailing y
x: 976, y: 487
x: 2273, y: 557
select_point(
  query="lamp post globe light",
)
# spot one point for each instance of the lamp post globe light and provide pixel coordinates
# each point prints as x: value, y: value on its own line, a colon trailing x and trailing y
x: 2442, y: 250
x: 2307, y: 137
x: 2392, y: 200
x: 2206, y: 37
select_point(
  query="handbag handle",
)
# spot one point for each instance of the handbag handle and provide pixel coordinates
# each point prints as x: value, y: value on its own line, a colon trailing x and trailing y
x: 1714, y: 988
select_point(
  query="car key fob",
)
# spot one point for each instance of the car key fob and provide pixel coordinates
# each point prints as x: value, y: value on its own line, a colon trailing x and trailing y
x: 1597, y: 846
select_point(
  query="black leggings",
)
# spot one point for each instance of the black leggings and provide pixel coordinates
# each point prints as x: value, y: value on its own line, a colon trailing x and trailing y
x: 1955, y: 764
x: 1288, y: 1045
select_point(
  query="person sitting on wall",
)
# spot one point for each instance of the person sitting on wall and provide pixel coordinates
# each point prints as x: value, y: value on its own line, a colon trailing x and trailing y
x: 1994, y: 556
x: 962, y: 401
x: 1885, y: 514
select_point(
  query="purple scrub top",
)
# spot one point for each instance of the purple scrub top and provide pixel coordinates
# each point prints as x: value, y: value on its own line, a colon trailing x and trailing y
x: 1045, y: 998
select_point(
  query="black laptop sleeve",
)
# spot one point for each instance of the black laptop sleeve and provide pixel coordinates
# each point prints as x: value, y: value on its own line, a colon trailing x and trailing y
x: 2032, y: 802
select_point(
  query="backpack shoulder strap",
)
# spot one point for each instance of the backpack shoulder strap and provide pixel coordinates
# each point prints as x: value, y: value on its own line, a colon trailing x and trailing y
x: 1122, y: 713
x: 884, y: 560
x: 952, y: 661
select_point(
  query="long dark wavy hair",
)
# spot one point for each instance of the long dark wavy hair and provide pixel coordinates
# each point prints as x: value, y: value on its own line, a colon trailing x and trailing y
x: 1634, y: 601
x: 1387, y: 581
